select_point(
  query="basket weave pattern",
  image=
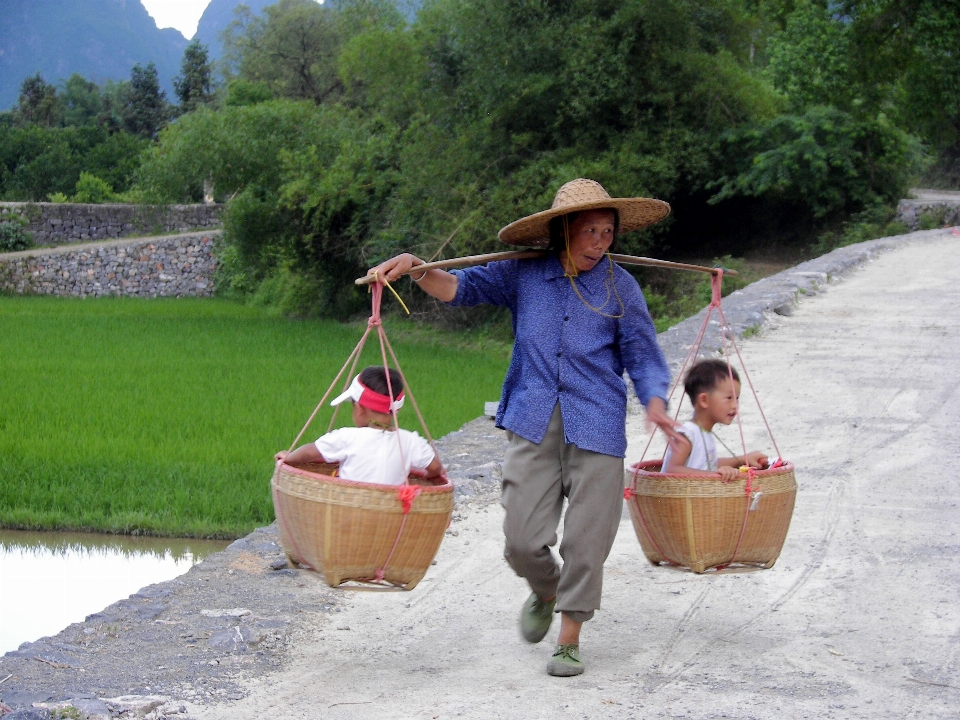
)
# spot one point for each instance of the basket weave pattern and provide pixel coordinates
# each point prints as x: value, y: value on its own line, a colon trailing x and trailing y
x: 347, y: 530
x: 696, y: 520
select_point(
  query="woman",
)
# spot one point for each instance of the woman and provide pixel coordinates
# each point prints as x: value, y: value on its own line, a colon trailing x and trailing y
x: 579, y: 321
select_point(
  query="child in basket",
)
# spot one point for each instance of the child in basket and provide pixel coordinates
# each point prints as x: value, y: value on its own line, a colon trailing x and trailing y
x: 714, y: 398
x: 371, y: 451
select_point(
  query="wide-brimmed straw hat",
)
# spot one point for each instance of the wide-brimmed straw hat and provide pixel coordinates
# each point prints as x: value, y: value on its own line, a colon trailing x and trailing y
x: 583, y: 194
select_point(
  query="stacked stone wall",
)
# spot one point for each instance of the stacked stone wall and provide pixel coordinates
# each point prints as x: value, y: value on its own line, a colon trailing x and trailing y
x: 174, y: 266
x: 52, y: 224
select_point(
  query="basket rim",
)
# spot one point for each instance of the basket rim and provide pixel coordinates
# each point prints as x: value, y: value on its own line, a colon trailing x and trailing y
x: 446, y: 486
x: 639, y: 468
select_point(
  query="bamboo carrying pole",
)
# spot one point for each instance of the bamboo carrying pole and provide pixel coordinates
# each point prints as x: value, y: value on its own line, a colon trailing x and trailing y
x: 471, y: 260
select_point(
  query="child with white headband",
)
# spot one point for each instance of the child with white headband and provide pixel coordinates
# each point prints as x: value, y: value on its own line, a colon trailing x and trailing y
x: 372, y: 451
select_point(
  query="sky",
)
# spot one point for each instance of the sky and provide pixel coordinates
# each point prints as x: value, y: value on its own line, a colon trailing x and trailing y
x: 180, y: 14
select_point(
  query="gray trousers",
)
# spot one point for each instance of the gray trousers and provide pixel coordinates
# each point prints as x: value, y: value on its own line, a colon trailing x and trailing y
x: 536, y: 479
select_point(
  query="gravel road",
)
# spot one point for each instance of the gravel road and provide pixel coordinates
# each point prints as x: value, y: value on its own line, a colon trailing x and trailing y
x: 859, y: 618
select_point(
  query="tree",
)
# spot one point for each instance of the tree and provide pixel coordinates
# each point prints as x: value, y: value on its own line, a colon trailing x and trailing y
x: 145, y: 110
x: 292, y: 50
x: 194, y: 84
x: 81, y: 101
x: 38, y: 103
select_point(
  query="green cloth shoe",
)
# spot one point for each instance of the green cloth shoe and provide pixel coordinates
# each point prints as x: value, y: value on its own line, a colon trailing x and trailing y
x: 535, y: 618
x: 565, y: 661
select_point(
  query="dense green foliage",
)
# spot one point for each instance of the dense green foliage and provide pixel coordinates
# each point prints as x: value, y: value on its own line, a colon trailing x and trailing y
x: 36, y: 162
x: 757, y: 122
x: 175, y: 434
x: 345, y: 132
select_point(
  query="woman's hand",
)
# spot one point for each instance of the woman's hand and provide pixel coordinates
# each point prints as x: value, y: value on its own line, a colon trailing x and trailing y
x: 395, y: 267
x: 657, y: 417
x: 438, y: 283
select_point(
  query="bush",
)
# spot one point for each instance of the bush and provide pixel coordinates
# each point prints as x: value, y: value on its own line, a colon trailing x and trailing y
x: 824, y: 160
x: 13, y: 236
x: 91, y: 189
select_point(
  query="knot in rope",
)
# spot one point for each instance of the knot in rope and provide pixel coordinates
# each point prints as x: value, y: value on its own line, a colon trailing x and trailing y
x: 751, y: 474
x: 716, y: 286
x: 628, y: 494
x: 406, y: 494
x: 376, y: 289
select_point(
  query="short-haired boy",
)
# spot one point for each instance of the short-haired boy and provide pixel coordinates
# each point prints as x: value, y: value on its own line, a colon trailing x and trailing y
x: 714, y: 397
x: 371, y: 451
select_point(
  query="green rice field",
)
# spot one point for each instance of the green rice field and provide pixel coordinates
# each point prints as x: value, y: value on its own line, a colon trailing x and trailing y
x: 161, y: 417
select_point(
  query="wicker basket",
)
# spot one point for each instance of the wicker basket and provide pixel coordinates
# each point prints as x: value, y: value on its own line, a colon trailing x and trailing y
x: 696, y: 521
x: 351, y: 531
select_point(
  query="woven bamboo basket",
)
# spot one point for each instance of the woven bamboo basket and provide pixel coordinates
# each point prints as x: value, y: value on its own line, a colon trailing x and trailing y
x: 696, y: 521
x: 349, y: 531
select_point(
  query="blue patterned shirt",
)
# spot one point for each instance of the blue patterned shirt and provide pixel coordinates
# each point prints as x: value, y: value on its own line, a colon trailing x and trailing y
x: 565, y: 352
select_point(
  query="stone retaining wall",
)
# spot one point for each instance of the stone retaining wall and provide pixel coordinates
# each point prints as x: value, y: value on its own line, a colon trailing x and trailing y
x: 61, y: 223
x: 172, y: 266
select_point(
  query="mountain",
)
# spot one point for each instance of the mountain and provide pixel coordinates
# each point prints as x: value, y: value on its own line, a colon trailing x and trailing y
x: 217, y: 16
x: 100, y: 39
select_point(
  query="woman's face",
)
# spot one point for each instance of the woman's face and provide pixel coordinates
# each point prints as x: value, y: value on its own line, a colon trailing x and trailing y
x: 590, y: 237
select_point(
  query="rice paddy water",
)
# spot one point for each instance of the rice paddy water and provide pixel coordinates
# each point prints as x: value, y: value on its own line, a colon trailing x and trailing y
x: 49, y: 580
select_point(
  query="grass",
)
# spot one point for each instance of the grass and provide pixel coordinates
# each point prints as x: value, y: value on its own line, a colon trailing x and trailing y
x: 161, y: 417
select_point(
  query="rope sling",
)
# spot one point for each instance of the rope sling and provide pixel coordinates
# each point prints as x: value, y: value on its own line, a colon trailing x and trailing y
x: 687, y: 536
x: 339, y: 515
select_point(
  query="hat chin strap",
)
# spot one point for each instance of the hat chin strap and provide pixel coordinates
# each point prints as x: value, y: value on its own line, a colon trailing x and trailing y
x: 569, y: 266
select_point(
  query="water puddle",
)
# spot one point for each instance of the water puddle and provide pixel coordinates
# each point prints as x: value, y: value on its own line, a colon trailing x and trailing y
x: 50, y: 580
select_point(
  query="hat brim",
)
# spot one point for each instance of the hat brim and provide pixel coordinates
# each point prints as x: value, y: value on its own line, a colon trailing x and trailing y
x: 635, y: 213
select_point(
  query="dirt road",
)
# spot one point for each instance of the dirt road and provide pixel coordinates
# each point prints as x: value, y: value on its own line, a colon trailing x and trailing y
x: 859, y: 618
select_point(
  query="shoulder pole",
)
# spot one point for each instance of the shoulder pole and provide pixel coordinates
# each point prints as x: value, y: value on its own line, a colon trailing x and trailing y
x: 471, y: 260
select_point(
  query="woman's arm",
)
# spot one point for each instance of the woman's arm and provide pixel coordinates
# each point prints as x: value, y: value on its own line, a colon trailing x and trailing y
x: 438, y: 283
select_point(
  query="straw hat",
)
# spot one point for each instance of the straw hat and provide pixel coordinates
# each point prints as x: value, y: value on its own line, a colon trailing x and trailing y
x: 582, y: 194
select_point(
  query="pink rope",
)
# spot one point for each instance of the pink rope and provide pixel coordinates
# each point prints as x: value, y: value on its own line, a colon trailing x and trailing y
x: 752, y: 389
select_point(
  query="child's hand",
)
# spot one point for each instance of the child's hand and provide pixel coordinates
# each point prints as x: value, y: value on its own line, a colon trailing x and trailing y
x: 727, y: 473
x: 756, y: 459
x: 281, y: 456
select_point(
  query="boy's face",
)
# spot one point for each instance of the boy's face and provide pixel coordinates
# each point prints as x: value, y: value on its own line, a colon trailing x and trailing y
x: 720, y: 404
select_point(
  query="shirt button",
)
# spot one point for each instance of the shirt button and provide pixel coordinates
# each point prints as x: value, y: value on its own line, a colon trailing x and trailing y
x: 566, y: 318
x: 559, y: 354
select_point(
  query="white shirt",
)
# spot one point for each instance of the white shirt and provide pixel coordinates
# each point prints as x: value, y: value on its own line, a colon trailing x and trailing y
x: 371, y: 455
x: 703, y: 454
